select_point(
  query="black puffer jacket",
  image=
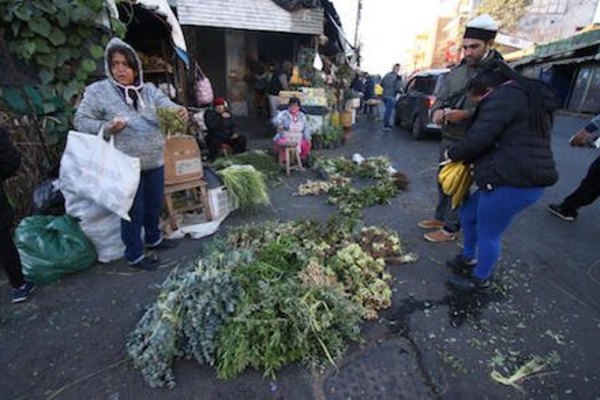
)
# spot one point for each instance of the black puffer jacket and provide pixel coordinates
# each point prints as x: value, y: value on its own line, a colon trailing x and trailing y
x: 502, y: 144
x: 10, y: 159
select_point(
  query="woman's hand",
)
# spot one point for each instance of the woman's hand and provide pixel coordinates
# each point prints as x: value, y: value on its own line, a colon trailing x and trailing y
x: 581, y: 138
x: 438, y: 117
x: 182, y: 112
x: 116, y: 125
x: 455, y: 116
x: 446, y: 160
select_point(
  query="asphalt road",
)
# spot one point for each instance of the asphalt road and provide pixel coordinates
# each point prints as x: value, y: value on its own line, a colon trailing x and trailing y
x: 68, y: 341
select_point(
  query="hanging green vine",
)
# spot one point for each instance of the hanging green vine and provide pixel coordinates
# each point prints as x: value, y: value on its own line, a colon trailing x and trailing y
x: 61, y: 44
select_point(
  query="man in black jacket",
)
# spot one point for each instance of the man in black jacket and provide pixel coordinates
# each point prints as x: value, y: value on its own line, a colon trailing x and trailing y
x: 10, y: 159
x: 453, y: 110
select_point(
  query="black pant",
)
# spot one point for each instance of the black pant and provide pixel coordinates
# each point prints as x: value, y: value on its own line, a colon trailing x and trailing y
x: 9, y: 258
x: 587, y: 192
x: 238, y: 145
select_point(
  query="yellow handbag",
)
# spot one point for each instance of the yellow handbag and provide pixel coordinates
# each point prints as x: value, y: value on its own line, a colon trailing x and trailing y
x: 456, y: 180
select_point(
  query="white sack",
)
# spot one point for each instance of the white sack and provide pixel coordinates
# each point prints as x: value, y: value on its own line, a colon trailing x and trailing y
x: 92, y: 168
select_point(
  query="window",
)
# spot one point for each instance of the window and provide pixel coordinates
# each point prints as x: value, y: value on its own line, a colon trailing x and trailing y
x: 425, y: 84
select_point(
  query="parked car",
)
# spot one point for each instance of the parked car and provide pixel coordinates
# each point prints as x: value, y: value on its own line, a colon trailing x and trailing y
x: 413, y: 108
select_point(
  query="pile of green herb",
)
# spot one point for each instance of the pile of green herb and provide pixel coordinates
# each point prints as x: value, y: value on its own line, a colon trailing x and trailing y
x: 260, y: 160
x: 266, y: 296
x: 247, y: 185
x: 170, y: 122
x: 349, y: 199
x: 193, y: 302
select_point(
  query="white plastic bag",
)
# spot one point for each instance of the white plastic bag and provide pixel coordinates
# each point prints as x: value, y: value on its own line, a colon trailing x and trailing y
x: 101, y: 226
x: 92, y: 168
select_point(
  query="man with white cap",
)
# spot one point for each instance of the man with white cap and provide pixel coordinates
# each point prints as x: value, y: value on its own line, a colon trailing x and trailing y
x: 453, y: 109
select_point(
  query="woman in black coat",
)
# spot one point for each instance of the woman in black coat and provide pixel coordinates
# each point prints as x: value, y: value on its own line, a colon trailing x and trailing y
x: 508, y: 145
x: 10, y: 159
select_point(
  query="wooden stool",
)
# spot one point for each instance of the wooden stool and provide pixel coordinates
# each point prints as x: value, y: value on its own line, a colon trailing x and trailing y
x: 198, y: 189
x: 291, y: 152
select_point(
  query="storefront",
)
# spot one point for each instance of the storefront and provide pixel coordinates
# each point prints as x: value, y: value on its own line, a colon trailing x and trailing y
x: 229, y: 38
x: 572, y: 67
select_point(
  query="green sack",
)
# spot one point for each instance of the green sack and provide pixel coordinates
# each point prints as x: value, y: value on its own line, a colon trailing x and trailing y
x: 51, y: 247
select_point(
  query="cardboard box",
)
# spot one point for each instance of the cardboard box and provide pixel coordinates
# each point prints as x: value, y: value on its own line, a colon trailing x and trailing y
x: 183, y: 161
x: 221, y: 202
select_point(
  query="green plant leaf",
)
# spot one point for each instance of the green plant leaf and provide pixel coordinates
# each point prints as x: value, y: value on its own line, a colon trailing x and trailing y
x: 88, y: 65
x: 81, y: 74
x: 47, y: 91
x: 57, y: 37
x: 45, y: 6
x: 46, y: 60
x: 62, y: 19
x: 72, y: 89
x: 42, y: 46
x: 46, y: 76
x: 27, y: 50
x: 118, y: 27
x: 23, y: 13
x: 14, y: 99
x: 16, y: 28
x: 74, y: 40
x: 96, y: 51
x: 64, y: 55
x: 41, y: 26
x: 49, y: 107
x: 35, y: 97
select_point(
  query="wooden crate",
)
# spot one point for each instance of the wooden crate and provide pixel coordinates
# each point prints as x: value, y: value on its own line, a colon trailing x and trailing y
x: 183, y: 161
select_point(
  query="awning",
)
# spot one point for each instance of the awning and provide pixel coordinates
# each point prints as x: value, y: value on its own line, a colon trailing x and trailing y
x: 162, y: 8
x: 255, y: 15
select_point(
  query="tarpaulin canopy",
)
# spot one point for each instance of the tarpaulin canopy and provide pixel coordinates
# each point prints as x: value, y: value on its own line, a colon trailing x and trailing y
x: 162, y: 8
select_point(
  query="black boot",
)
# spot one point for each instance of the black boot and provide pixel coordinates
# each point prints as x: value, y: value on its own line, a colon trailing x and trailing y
x: 470, y: 284
x: 461, y: 265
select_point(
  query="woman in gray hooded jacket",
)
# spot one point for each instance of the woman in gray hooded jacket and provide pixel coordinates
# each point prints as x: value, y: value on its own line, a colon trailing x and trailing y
x: 124, y: 106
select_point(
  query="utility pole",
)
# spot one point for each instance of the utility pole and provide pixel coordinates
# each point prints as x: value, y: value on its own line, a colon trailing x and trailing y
x: 356, y: 30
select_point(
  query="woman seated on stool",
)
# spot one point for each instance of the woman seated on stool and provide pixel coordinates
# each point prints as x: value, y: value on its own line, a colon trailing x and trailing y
x: 292, y: 130
x: 221, y: 130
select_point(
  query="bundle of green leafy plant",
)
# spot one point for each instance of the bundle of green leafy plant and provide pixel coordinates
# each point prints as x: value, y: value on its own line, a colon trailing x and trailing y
x: 347, y: 198
x: 247, y: 185
x: 259, y: 159
x: 193, y: 302
x: 170, y: 122
x: 285, y: 323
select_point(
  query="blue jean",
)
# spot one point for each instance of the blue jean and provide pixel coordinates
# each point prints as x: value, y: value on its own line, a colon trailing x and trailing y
x: 388, y: 103
x: 485, y: 216
x: 145, y: 212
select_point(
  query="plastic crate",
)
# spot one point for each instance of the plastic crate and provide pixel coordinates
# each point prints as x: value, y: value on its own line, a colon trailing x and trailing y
x: 221, y: 202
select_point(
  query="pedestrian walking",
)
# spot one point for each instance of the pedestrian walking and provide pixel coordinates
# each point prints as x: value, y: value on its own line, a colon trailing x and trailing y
x: 589, y: 189
x: 10, y: 159
x: 392, y: 85
x: 453, y: 109
x: 508, y: 144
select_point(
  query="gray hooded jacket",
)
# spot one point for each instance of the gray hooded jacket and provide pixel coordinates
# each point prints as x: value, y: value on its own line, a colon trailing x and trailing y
x: 103, y: 101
